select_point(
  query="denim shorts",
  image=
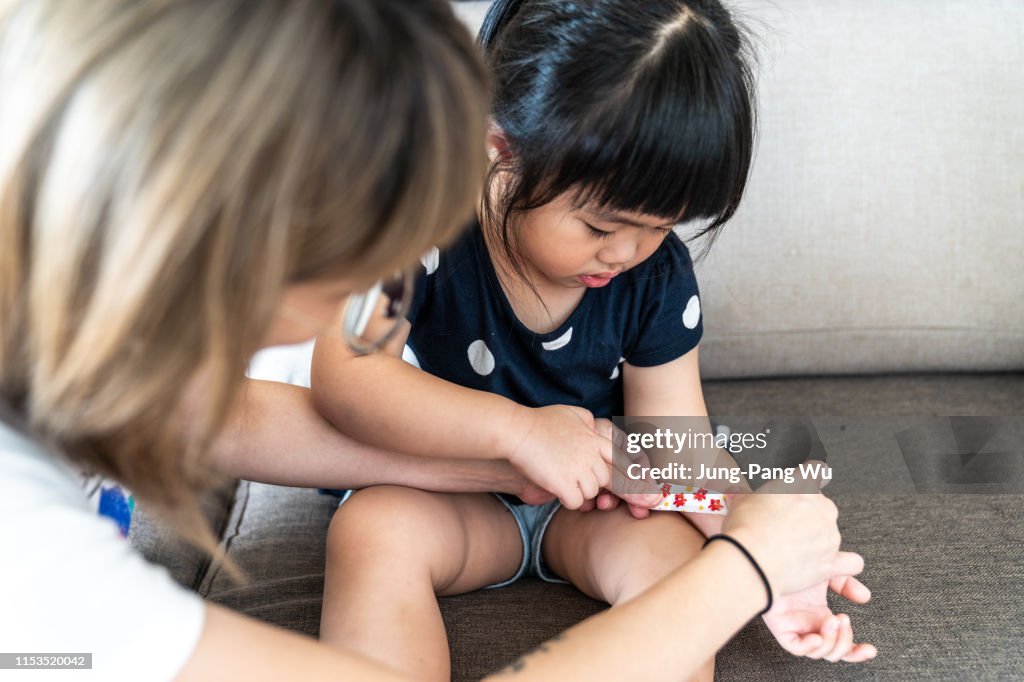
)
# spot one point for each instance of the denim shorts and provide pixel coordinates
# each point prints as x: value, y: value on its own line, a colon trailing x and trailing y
x: 532, y: 520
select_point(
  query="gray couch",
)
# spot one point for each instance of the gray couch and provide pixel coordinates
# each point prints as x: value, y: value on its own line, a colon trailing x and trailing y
x: 875, y: 269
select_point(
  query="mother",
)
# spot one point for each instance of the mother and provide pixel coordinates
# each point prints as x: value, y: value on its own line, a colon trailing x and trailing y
x: 181, y: 183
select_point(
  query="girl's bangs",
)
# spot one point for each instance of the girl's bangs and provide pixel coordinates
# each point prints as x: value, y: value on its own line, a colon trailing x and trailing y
x: 676, y: 142
x: 678, y: 159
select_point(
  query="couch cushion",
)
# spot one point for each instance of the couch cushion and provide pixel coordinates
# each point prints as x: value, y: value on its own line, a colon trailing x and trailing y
x: 880, y: 230
x: 881, y: 226
x: 943, y: 569
x: 187, y: 565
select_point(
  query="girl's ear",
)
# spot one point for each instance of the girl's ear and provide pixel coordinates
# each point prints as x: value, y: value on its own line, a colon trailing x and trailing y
x: 498, y: 148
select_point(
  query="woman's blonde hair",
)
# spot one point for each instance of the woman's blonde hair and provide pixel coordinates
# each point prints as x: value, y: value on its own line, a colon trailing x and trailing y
x: 167, y: 167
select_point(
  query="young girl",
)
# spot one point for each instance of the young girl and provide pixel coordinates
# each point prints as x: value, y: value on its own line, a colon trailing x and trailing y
x: 571, y: 299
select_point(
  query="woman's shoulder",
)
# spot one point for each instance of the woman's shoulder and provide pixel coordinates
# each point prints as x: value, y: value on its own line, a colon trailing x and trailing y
x: 28, y: 469
x: 71, y: 577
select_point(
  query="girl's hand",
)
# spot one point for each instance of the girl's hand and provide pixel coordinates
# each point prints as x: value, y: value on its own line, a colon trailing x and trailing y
x: 803, y: 624
x: 639, y: 504
x: 560, y: 450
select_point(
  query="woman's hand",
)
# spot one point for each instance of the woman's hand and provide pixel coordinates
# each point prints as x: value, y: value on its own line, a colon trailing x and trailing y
x: 559, y: 449
x: 804, y: 625
x: 792, y: 534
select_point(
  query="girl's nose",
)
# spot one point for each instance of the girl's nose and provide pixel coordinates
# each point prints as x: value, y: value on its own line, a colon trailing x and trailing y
x: 618, y: 251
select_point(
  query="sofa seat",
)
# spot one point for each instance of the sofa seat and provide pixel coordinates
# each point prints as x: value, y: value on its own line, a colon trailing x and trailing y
x: 945, y: 570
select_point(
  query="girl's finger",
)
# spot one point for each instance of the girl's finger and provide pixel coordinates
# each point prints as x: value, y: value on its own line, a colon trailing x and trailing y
x: 639, y: 512
x: 572, y: 497
x: 589, y: 486
x: 844, y: 642
x: 829, y: 634
x: 605, y: 449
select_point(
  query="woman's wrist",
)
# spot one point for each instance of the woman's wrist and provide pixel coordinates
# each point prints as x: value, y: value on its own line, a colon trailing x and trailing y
x: 722, y: 537
x: 746, y: 589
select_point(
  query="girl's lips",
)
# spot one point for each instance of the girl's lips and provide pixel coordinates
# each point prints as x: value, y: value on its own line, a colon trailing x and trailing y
x: 595, y: 281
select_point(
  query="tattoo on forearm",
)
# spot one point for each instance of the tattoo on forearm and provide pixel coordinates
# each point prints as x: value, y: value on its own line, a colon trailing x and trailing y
x: 519, y: 664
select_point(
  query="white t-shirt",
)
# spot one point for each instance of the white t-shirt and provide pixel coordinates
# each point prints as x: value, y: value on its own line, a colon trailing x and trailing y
x: 69, y: 583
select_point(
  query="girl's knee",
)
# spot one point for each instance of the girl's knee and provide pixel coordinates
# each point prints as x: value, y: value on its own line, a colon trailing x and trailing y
x: 377, y: 520
x: 615, y: 557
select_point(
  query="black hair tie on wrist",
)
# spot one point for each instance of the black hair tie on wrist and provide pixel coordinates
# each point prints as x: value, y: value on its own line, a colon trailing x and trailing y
x: 764, y: 578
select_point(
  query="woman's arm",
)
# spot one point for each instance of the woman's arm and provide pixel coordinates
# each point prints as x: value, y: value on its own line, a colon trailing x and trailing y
x: 641, y: 640
x: 276, y: 436
x: 233, y: 646
x: 619, y: 644
x: 793, y: 538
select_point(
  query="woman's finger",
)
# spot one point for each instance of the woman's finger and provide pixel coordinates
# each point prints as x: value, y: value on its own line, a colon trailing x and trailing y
x: 844, y: 642
x: 860, y: 653
x: 802, y: 645
x: 847, y: 563
x: 829, y: 634
x: 848, y: 587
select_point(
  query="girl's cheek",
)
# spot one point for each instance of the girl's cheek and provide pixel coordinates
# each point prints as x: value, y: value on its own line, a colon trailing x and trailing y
x: 647, y: 249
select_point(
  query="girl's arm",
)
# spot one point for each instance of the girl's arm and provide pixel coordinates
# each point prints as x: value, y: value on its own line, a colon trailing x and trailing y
x: 276, y: 436
x: 674, y: 390
x: 383, y: 400
x: 386, y: 402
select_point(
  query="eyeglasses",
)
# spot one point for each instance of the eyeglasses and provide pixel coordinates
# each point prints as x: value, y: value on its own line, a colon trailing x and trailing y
x: 372, y: 318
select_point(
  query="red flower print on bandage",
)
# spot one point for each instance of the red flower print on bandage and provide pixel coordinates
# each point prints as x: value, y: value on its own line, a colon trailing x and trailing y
x: 680, y: 500
x: 715, y: 505
x: 666, y: 490
x: 700, y: 494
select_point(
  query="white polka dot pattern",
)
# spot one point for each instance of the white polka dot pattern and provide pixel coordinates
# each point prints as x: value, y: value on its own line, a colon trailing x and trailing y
x: 691, y: 316
x: 480, y: 358
x: 560, y: 342
x: 431, y: 259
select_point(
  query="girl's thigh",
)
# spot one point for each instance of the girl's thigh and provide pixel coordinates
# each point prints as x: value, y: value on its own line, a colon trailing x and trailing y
x: 460, y: 542
x: 612, y: 556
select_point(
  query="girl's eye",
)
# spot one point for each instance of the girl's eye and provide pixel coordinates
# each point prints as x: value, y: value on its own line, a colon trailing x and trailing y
x: 600, y: 234
x: 663, y: 230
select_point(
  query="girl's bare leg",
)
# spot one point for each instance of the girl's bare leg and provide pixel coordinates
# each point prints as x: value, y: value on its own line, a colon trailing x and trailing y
x: 391, y: 551
x: 613, y: 557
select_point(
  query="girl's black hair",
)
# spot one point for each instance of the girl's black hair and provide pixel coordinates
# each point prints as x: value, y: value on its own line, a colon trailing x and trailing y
x: 632, y: 105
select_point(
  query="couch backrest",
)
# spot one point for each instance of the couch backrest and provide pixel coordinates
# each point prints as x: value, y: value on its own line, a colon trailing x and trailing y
x: 883, y: 226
